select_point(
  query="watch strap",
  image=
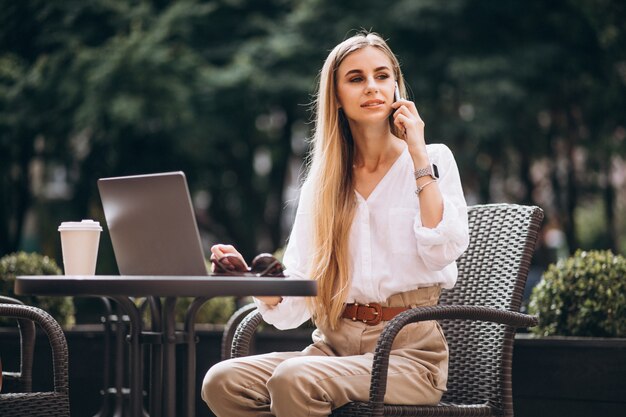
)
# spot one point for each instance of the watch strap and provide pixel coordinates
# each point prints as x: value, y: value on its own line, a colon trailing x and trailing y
x: 428, y: 171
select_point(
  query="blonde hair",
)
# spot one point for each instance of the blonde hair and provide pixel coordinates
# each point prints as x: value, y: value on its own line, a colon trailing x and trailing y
x: 331, y: 179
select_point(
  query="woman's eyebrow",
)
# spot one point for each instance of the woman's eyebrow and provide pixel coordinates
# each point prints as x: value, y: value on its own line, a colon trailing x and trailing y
x: 354, y: 71
x: 358, y: 71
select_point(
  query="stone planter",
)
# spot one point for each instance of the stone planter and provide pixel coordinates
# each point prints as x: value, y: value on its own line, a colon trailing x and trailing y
x: 569, y: 376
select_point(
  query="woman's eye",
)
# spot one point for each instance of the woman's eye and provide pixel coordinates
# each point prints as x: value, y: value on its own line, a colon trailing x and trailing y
x: 383, y: 76
x: 356, y: 79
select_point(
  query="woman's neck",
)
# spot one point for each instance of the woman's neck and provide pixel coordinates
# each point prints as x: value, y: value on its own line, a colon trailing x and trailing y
x: 375, y: 147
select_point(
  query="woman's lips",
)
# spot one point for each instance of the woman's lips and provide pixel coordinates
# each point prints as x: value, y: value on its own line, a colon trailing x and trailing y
x: 373, y: 103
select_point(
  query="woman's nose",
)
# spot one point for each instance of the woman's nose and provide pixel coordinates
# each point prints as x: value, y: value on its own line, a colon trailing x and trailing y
x: 371, y: 86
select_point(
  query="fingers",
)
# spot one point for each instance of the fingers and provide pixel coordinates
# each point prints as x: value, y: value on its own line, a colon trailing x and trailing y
x: 401, y: 119
x: 220, y: 251
x: 405, y: 103
x: 407, y: 119
x: 407, y: 108
x: 408, y: 123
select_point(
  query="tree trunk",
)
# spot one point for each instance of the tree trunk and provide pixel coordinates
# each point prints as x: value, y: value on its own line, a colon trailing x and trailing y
x: 19, y: 198
x: 278, y: 176
x: 609, y: 206
x: 524, y: 175
x: 572, y: 186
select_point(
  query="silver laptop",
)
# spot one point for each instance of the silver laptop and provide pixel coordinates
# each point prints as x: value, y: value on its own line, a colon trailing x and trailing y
x: 152, y: 224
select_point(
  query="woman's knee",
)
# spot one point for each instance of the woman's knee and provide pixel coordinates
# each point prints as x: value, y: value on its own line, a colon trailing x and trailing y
x: 291, y: 376
x: 295, y: 390
x: 235, y: 383
x: 215, y: 381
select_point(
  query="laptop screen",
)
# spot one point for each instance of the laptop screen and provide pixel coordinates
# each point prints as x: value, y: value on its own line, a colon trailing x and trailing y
x: 152, y: 224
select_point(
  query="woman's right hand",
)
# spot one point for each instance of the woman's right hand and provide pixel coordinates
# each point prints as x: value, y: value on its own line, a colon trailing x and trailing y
x: 229, y: 256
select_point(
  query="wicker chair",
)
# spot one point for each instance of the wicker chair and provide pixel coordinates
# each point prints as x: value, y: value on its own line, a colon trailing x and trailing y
x: 21, y: 401
x: 479, y: 317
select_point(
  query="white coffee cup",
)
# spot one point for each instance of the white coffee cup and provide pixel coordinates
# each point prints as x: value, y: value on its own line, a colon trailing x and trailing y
x: 80, y: 241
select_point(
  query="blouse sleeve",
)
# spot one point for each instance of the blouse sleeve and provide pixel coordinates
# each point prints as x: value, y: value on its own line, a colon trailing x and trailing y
x: 292, y: 311
x: 443, y: 244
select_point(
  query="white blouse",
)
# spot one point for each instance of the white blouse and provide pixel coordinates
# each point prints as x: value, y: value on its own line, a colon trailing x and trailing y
x: 390, y: 251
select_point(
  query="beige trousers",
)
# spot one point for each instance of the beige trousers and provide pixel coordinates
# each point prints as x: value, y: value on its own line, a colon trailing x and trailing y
x: 334, y: 370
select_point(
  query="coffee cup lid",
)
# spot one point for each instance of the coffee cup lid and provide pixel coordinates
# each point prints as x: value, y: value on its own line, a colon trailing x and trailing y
x: 82, y: 225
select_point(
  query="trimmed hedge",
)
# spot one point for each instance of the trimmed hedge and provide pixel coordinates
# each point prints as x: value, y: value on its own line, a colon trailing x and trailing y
x: 22, y: 263
x: 583, y: 295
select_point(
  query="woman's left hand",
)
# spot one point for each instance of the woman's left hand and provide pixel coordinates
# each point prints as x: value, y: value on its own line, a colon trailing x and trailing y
x: 408, y: 120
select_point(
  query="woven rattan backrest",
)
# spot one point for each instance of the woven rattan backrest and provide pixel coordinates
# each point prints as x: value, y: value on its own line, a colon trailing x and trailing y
x: 492, y: 273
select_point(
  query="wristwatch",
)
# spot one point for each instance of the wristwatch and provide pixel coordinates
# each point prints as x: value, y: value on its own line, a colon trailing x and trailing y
x: 429, y: 171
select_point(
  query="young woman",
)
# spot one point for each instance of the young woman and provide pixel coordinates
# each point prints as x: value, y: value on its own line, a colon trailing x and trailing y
x: 376, y: 224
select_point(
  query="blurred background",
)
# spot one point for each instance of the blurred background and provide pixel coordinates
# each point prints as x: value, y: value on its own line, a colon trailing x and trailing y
x: 529, y: 95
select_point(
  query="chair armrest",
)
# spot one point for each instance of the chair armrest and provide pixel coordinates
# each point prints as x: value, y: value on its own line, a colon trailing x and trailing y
x: 22, y: 380
x: 245, y: 332
x: 249, y: 319
x: 55, y: 335
x: 378, y: 384
x: 231, y: 327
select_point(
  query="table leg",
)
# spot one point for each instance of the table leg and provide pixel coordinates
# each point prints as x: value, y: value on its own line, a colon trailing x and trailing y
x: 120, y: 329
x: 106, y: 374
x: 136, y: 359
x: 169, y: 357
x: 189, y: 381
x: 156, y: 358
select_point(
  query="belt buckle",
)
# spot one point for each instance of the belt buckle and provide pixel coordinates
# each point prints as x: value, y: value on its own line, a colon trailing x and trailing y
x: 377, y: 313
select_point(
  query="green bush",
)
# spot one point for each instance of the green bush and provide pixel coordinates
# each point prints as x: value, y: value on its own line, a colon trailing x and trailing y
x: 21, y: 263
x: 215, y: 311
x: 584, y: 295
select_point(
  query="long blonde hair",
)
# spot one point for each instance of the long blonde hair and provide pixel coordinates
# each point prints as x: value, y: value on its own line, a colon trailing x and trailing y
x: 331, y: 179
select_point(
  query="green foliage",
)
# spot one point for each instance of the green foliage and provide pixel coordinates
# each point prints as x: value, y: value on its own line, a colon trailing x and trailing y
x: 215, y: 311
x: 21, y: 263
x: 220, y: 90
x: 589, y: 219
x: 584, y: 295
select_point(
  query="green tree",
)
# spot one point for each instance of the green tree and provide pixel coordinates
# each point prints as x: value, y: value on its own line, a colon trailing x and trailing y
x: 528, y: 95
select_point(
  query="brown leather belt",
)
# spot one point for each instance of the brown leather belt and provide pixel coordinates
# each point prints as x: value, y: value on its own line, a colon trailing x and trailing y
x: 371, y: 313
